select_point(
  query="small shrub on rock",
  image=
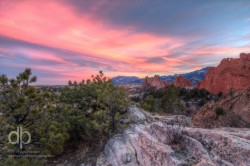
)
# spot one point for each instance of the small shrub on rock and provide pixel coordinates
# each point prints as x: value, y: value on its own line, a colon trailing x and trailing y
x: 175, y: 132
x: 219, y: 111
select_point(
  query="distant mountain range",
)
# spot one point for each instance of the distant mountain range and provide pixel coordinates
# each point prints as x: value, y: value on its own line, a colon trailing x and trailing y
x: 120, y: 80
x: 194, y: 76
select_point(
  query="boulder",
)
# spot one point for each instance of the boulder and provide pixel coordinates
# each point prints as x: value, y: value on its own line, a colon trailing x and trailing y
x: 136, y: 115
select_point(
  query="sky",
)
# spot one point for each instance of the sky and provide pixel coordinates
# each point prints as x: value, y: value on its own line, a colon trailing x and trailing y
x: 63, y: 40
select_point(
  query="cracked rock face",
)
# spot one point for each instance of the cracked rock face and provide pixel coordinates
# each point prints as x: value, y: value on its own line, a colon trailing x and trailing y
x: 148, y: 145
x: 156, y: 144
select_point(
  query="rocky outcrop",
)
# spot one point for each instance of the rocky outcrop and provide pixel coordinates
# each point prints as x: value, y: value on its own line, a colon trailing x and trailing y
x: 230, y: 73
x: 154, y: 82
x: 159, y: 143
x: 149, y: 145
x: 136, y: 115
x: 234, y: 108
x: 180, y: 81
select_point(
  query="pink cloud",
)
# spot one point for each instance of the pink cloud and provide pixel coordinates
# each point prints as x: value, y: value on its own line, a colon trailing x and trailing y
x: 120, y: 51
x: 41, y: 23
x: 48, y: 57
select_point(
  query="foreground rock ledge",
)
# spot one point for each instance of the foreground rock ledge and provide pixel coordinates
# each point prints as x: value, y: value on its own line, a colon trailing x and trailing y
x: 149, y: 144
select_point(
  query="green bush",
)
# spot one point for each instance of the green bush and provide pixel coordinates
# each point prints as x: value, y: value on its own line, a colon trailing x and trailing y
x: 88, y: 110
x: 202, y: 102
x: 170, y: 103
x: 219, y: 111
x: 149, y: 104
x: 193, y: 93
x: 163, y: 101
x: 220, y: 94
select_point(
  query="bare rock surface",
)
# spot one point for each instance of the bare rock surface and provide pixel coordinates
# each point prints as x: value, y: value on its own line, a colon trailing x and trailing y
x: 230, y: 73
x: 136, y: 115
x: 152, y: 143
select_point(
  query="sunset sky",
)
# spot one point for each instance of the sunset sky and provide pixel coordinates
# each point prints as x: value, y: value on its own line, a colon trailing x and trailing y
x: 65, y: 40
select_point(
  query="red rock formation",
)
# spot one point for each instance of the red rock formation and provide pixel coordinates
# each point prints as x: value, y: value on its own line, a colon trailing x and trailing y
x: 180, y: 81
x: 154, y: 82
x: 230, y: 73
x: 235, y: 105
